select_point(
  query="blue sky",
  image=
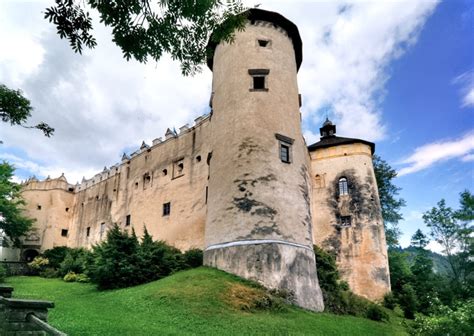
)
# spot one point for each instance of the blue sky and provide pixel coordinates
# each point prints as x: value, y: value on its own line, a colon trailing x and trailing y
x: 424, y: 105
x: 399, y: 73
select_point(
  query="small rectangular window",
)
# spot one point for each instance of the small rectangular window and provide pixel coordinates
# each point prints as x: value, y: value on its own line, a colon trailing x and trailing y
x: 88, y: 232
x: 285, y: 153
x: 258, y: 83
x: 128, y: 220
x: 285, y: 144
x: 67, y: 209
x: 178, y: 168
x: 259, y: 79
x: 102, y: 229
x: 345, y: 221
x: 38, y: 207
x: 166, y: 209
x: 64, y: 233
x: 207, y: 192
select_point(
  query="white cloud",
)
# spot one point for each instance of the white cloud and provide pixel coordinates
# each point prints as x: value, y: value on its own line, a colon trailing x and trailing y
x: 430, y: 154
x: 100, y: 104
x: 466, y: 80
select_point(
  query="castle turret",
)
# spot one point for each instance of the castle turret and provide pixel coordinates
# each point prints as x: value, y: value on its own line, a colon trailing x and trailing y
x: 259, y: 223
x: 349, y: 219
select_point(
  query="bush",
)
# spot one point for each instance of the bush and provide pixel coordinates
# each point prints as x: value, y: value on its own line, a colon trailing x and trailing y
x: 389, y: 301
x: 116, y: 262
x: 75, y: 261
x: 193, y: 258
x: 376, y: 313
x: 70, y: 277
x: 39, y: 263
x: 82, y: 278
x: 3, y: 273
x: 407, y: 300
x: 447, y: 321
x: 49, y: 272
x: 56, y: 256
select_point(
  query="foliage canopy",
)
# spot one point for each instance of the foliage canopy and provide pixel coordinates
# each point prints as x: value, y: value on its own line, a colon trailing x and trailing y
x: 12, y: 222
x: 144, y: 29
x: 16, y: 109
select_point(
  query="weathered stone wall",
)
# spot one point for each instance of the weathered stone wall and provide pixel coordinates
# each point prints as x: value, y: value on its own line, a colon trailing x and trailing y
x: 258, y: 204
x: 138, y: 188
x: 360, y: 247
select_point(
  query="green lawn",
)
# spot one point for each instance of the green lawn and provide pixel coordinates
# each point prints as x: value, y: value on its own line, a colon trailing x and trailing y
x: 201, y: 301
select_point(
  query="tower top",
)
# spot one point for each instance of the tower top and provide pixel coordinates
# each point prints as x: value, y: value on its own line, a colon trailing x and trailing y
x: 278, y: 20
x: 328, y: 129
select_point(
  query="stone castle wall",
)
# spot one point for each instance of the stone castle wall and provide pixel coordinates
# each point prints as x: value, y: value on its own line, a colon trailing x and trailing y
x: 360, y: 244
x: 138, y: 187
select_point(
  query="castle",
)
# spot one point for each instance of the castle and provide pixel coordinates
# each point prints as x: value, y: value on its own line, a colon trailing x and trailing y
x: 241, y: 183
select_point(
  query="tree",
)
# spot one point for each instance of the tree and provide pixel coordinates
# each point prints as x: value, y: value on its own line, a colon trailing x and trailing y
x: 391, y: 205
x: 444, y: 230
x: 419, y: 240
x: 12, y: 222
x: 454, y: 231
x: 422, y: 271
x: 16, y: 109
x: 143, y: 29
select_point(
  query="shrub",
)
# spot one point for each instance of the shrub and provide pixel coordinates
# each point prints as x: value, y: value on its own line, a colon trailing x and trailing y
x: 376, y: 313
x: 39, y: 263
x: 389, y: 301
x: 70, y: 277
x: 408, y: 301
x: 56, y: 256
x: 447, y: 321
x: 3, y: 273
x: 75, y: 261
x: 193, y: 258
x: 116, y: 263
x: 82, y: 278
x: 49, y: 272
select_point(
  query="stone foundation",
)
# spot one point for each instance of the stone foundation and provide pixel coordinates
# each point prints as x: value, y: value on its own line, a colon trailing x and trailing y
x: 276, y: 265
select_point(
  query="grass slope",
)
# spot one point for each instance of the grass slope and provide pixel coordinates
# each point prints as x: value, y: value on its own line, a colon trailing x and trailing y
x: 201, y: 301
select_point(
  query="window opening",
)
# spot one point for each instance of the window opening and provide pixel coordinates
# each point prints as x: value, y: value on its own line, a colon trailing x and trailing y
x: 343, y: 189
x: 128, y: 220
x: 263, y: 43
x: 67, y: 209
x: 63, y: 233
x: 345, y: 220
x: 102, y: 229
x: 259, y: 79
x: 258, y: 83
x: 166, y: 209
x: 207, y: 192
x: 165, y: 172
x: 88, y: 232
x: 198, y: 158
x: 178, y: 168
x: 285, y: 153
x: 38, y: 207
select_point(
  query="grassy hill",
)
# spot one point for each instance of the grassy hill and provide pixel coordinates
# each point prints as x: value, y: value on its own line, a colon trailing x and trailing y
x: 201, y: 301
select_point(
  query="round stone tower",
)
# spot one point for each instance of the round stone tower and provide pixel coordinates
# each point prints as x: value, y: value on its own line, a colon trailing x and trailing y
x: 259, y: 222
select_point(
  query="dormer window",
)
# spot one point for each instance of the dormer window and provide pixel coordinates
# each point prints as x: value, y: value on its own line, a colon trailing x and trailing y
x: 343, y: 189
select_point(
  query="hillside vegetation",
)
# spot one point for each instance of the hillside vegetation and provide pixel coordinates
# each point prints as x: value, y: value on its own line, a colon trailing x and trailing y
x: 199, y: 301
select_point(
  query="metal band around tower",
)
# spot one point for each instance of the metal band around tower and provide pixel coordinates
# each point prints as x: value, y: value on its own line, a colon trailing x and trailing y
x: 256, y: 242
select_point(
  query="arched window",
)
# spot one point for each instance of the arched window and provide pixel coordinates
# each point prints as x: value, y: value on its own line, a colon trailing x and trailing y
x: 343, y: 190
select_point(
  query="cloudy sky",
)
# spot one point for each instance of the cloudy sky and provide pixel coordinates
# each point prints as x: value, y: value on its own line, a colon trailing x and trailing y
x: 399, y: 73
